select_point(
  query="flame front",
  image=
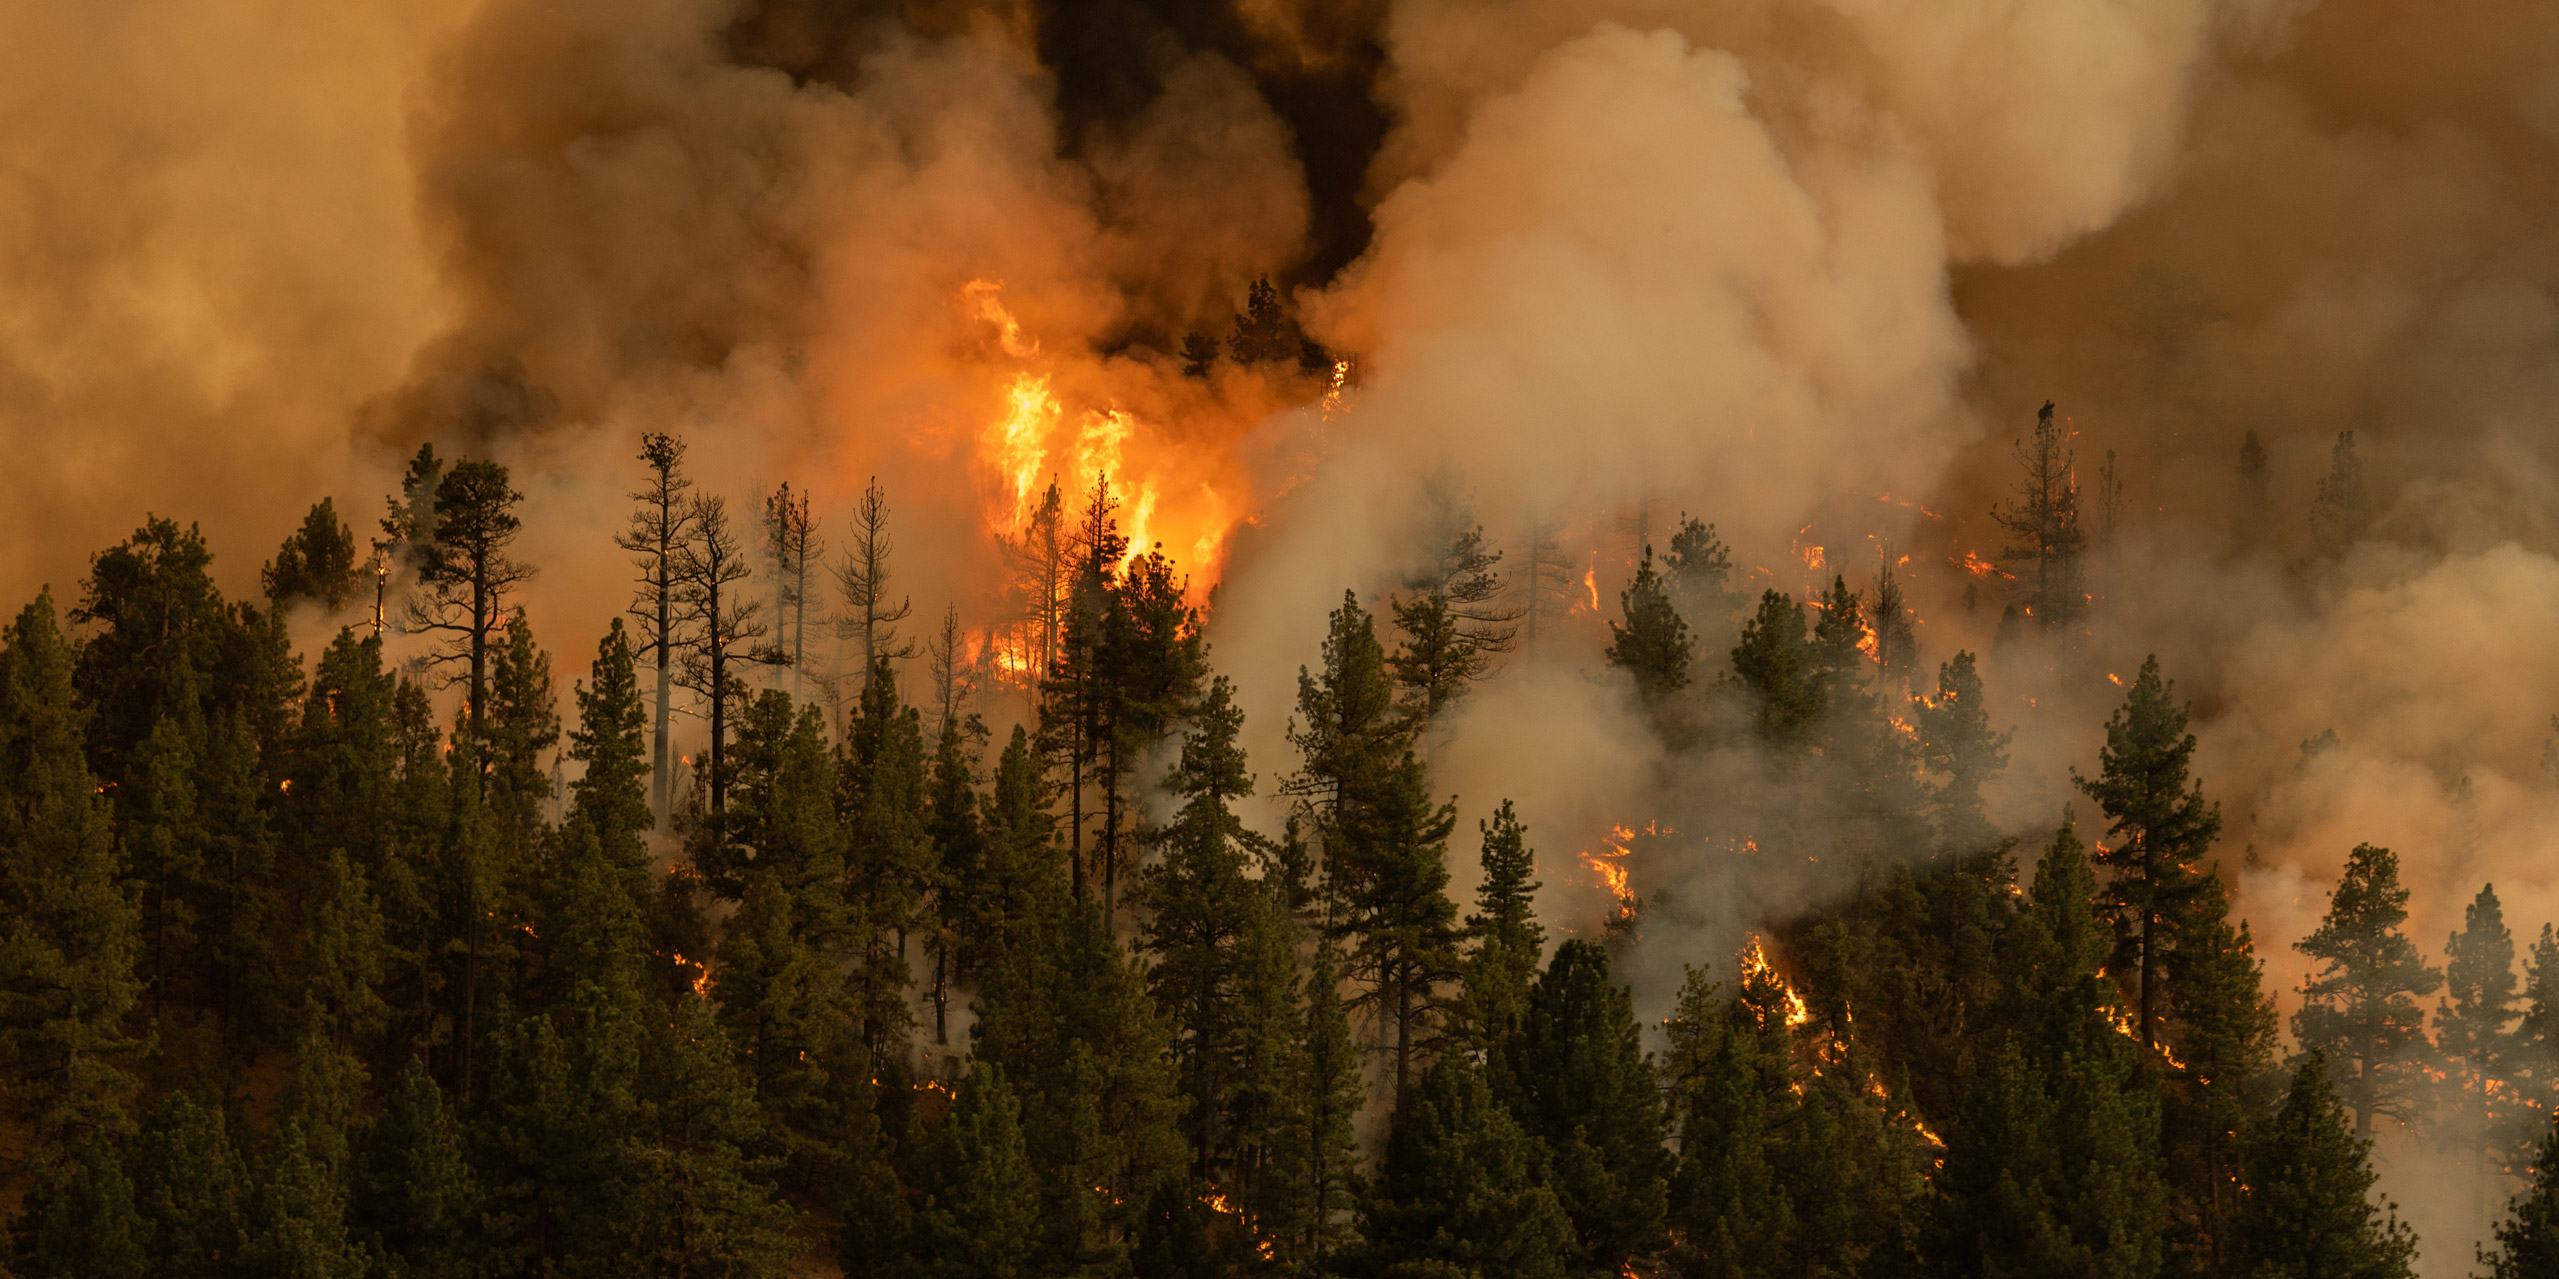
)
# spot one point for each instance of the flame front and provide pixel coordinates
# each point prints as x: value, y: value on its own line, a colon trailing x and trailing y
x: 1755, y: 967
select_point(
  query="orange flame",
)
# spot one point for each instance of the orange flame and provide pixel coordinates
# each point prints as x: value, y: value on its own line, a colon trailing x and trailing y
x: 1755, y: 967
x: 1610, y: 866
x: 1973, y: 563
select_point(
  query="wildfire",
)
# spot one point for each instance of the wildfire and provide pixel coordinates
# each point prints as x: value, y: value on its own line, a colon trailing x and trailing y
x: 1756, y: 968
x: 1610, y: 866
x: 701, y: 979
x: 1973, y: 563
x: 1049, y: 429
x: 1333, y: 388
x: 2117, y: 680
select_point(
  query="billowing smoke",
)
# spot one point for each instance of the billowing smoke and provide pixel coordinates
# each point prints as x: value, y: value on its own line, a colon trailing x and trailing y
x: 1803, y: 270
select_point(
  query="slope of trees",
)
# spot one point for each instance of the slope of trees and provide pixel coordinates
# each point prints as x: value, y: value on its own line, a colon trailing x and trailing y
x: 302, y: 972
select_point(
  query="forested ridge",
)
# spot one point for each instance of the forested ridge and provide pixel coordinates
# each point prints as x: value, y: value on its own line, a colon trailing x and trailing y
x: 335, y: 965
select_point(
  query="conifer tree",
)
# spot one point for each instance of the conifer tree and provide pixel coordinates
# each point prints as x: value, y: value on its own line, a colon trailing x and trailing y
x: 1462, y: 1189
x: 1261, y: 333
x: 862, y: 581
x: 703, y: 1202
x: 2162, y: 827
x: 1454, y: 620
x: 982, y: 1203
x: 2528, y: 1239
x: 1201, y: 916
x: 189, y: 1189
x: 1149, y: 665
x: 1957, y: 744
x: 1576, y: 1078
x: 1504, y: 939
x: 610, y: 795
x: 959, y: 859
x: 1389, y: 870
x: 2362, y: 1003
x: 1315, y: 1175
x: 2225, y: 1030
x: 888, y: 851
x: 1776, y: 665
x: 1076, y: 699
x: 68, y: 931
x: 2043, y: 524
x: 523, y: 723
x: 79, y: 1220
x: 1017, y: 866
x: 1730, y: 1077
x: 1895, y: 647
x: 1546, y: 584
x: 791, y: 541
x: 1699, y: 573
x: 721, y: 626
x: 1346, y: 727
x: 2474, y: 1030
x: 2533, y: 1053
x: 661, y: 523
x: 467, y: 569
x: 2340, y: 512
x: 316, y: 563
x: 413, y: 1194
x: 2308, y: 1210
x: 1654, y: 645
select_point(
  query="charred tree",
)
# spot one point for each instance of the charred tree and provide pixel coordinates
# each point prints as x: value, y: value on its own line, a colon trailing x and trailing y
x: 466, y: 572
x: 661, y: 523
x: 2044, y: 524
x: 721, y: 627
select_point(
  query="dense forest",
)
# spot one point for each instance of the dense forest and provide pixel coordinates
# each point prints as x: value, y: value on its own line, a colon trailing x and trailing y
x: 348, y: 966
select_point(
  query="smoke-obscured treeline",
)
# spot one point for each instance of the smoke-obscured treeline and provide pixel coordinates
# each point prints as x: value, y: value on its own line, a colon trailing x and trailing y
x: 919, y: 964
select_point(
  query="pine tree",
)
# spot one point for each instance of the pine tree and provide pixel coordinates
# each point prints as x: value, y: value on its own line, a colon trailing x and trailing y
x: 2308, y: 1210
x: 2528, y: 1239
x: 79, y: 1221
x: 2341, y: 512
x: 556, y: 1157
x: 661, y: 522
x: 1462, y: 1189
x: 610, y: 795
x: 2224, y: 1026
x: 1955, y: 743
x: 889, y: 853
x: 1149, y: 665
x: 467, y: 571
x: 790, y: 541
x: 982, y: 1206
x: 2044, y: 522
x: 862, y: 581
x: 414, y: 1197
x: 704, y: 1204
x: 2362, y: 1003
x: 1315, y: 1175
x: 190, y: 1189
x: 722, y: 628
x: 1504, y: 939
x: 298, y: 1227
x: 1454, y: 621
x: 2533, y: 1053
x: 1389, y: 871
x: 1546, y: 584
x: 316, y: 563
x: 1654, y: 645
x: 1699, y: 569
x: 523, y: 722
x: 959, y: 859
x: 1262, y: 330
x: 68, y: 931
x: 2473, y: 1030
x: 1201, y: 913
x: 1730, y: 1075
x: 1896, y: 649
x: 1067, y: 1017
x: 2162, y: 826
x: 1576, y: 1078
x: 1775, y: 663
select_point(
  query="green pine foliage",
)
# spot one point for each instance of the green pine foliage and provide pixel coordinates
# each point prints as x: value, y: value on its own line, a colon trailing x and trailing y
x: 2360, y: 1006
x: 2528, y: 1239
x: 398, y: 970
x: 2308, y: 1209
